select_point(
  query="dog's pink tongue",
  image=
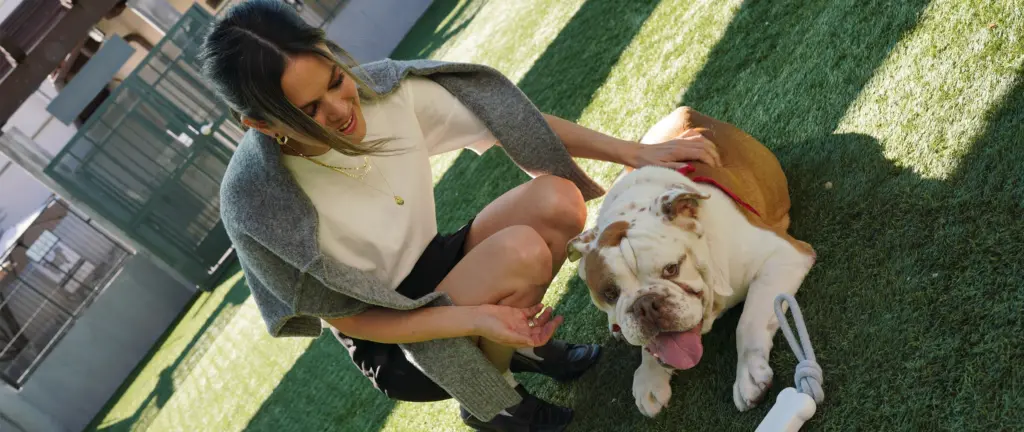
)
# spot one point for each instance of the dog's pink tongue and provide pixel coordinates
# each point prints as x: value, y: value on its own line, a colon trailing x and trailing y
x: 681, y: 350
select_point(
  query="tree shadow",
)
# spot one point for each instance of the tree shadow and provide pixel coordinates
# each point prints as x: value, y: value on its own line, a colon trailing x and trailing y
x: 915, y: 297
x: 874, y: 209
x: 323, y: 391
x: 813, y: 58
x: 194, y: 352
x: 443, y: 20
x: 561, y: 82
x: 913, y: 306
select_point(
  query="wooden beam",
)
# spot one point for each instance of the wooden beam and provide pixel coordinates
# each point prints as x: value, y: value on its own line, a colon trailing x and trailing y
x: 48, y: 53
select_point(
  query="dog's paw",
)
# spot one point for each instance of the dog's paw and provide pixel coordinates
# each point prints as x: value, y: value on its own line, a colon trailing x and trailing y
x: 652, y: 389
x: 753, y: 379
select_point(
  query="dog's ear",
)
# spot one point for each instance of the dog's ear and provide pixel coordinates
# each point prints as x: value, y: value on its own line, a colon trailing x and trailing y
x: 581, y: 245
x: 681, y: 200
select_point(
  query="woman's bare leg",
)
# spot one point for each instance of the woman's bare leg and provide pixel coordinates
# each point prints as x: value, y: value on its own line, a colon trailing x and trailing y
x: 511, y: 267
x: 552, y: 206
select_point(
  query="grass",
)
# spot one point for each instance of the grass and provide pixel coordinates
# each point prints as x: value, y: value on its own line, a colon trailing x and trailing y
x: 913, y: 111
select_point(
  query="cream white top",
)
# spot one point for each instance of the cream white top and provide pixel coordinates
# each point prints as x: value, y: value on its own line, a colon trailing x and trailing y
x: 359, y: 222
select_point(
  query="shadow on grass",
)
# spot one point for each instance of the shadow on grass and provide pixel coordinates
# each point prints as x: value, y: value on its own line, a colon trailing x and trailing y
x: 202, y: 340
x: 443, y: 20
x: 914, y: 303
x: 747, y: 60
x: 323, y: 391
x: 561, y: 82
x: 867, y: 304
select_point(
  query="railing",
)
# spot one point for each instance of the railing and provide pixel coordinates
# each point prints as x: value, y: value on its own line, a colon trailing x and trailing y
x: 50, y: 275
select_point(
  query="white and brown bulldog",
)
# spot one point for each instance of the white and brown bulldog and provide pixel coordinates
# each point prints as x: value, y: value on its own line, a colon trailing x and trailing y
x: 674, y: 249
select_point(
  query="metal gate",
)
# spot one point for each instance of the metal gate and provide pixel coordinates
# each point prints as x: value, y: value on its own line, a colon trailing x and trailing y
x: 143, y: 161
x: 152, y: 156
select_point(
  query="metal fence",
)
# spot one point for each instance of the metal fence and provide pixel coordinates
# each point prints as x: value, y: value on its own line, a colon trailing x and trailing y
x: 56, y: 267
x: 152, y: 156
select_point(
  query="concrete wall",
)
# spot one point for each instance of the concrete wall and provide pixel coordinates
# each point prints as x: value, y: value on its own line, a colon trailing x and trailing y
x: 92, y: 360
x: 370, y: 29
x: 33, y: 120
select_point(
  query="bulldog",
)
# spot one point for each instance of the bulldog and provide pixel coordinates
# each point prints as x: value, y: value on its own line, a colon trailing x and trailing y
x: 674, y: 249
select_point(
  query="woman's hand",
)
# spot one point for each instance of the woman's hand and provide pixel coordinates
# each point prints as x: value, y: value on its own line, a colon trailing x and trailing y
x: 585, y: 143
x: 691, y: 146
x: 510, y: 326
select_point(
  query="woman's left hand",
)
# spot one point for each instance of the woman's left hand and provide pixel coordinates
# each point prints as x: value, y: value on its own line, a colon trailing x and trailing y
x: 516, y: 327
x: 691, y: 146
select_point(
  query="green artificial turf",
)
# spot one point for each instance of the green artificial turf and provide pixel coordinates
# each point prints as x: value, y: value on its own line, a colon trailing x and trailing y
x: 899, y: 126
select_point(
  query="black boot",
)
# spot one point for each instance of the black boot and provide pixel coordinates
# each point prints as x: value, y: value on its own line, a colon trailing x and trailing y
x: 531, y: 415
x: 562, y: 361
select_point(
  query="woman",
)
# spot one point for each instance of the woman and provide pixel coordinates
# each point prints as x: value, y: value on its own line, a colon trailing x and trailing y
x: 329, y: 204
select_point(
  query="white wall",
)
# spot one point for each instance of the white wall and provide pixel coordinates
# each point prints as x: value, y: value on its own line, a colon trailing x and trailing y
x: 370, y: 29
x: 7, y: 7
x: 34, y: 121
x: 20, y: 193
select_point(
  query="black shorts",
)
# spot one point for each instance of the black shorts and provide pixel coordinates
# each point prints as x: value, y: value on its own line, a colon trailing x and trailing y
x: 385, y: 364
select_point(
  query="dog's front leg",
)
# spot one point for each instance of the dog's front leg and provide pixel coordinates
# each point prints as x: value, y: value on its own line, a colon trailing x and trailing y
x: 783, y: 272
x: 652, y: 387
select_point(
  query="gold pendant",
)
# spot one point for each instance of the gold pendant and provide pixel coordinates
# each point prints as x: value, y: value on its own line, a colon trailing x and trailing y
x: 399, y: 200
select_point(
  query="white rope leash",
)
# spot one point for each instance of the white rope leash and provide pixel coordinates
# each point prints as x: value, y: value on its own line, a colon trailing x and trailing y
x: 808, y: 376
x: 795, y: 406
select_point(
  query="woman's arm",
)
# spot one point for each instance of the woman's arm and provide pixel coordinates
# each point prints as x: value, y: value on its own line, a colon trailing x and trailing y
x: 589, y: 144
x: 512, y: 326
x: 397, y: 326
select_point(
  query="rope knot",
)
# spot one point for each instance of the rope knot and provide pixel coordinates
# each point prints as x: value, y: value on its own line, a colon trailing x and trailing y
x: 809, y: 377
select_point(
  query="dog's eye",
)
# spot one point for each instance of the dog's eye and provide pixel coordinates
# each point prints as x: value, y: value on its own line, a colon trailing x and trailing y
x: 670, y: 271
x: 611, y: 294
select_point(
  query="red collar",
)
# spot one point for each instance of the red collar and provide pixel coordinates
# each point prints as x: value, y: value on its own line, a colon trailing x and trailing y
x: 688, y: 169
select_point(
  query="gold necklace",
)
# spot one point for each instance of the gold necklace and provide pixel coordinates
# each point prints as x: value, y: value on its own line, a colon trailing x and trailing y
x: 367, y: 164
x: 398, y: 199
x: 362, y: 170
x: 365, y: 168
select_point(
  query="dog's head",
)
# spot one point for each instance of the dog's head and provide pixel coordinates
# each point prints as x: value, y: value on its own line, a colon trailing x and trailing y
x: 650, y: 270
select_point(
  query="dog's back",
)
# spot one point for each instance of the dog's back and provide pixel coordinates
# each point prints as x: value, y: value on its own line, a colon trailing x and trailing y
x: 749, y: 169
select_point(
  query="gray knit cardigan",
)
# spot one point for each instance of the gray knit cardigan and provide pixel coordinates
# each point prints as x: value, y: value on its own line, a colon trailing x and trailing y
x: 273, y: 227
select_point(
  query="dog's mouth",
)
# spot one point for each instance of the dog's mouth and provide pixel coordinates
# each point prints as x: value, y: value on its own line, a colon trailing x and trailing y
x: 678, y: 350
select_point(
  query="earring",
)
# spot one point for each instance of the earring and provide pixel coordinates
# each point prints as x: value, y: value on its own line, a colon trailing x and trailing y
x: 282, y: 139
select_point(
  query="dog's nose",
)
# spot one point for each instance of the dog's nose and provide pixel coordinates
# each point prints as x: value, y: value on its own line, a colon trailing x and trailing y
x: 647, y: 309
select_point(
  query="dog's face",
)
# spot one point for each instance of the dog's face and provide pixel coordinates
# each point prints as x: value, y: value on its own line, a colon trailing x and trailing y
x: 649, y: 271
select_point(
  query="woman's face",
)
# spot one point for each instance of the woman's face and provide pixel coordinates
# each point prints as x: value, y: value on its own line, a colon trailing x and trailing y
x: 324, y: 92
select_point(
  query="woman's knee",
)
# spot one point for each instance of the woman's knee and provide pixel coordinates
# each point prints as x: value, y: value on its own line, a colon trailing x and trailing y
x: 529, y: 259
x: 560, y: 204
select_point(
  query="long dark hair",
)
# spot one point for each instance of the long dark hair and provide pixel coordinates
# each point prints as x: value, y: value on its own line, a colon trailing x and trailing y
x: 245, y: 55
